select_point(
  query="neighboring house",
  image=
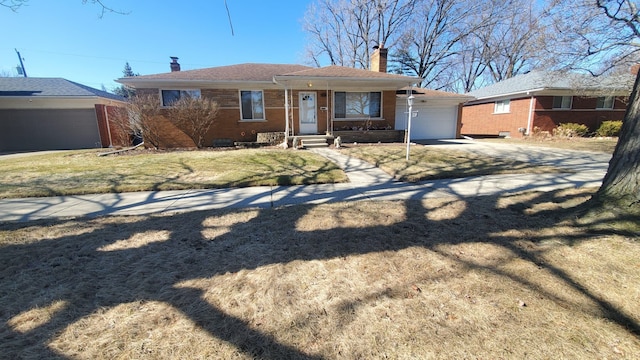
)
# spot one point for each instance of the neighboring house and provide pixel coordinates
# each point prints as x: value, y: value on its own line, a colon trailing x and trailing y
x: 541, y: 100
x: 53, y: 114
x: 259, y: 98
x: 436, y: 113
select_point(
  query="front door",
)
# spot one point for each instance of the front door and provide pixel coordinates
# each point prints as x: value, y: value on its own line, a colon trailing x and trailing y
x: 308, y: 117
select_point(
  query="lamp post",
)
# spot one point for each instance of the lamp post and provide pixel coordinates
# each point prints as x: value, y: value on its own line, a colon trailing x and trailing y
x: 410, y: 103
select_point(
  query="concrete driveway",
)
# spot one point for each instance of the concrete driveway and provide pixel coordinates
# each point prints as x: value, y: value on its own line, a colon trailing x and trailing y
x: 366, y: 183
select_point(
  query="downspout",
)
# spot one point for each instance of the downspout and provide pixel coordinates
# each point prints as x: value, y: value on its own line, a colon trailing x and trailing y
x: 329, y: 129
x: 530, y: 119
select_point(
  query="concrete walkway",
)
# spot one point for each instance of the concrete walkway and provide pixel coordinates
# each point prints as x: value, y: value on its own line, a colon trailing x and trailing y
x: 366, y: 183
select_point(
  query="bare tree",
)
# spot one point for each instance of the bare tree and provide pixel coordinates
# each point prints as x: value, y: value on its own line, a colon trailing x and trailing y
x: 431, y: 43
x: 144, y: 112
x: 14, y: 5
x: 344, y: 31
x: 194, y: 116
x: 598, y: 36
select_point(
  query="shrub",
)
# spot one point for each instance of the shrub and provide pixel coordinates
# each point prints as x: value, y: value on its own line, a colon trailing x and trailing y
x: 609, y: 128
x: 571, y: 130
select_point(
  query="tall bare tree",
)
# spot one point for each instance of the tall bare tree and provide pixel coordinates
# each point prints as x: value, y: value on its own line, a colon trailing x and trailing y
x: 598, y: 36
x: 431, y: 43
x: 344, y: 31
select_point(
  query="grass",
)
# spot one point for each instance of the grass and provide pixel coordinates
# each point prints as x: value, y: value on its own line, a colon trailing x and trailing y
x: 82, y: 172
x: 509, y: 276
x: 428, y: 163
x: 604, y: 145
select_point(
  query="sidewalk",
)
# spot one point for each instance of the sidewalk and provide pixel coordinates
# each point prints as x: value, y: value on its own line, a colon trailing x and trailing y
x: 366, y: 183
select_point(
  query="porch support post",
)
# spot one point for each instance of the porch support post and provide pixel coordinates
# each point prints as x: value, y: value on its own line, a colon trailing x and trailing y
x: 530, y: 119
x: 286, y: 114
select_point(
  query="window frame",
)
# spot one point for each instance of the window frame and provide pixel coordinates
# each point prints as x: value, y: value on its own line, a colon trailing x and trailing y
x: 505, y: 106
x: 604, y: 102
x: 180, y: 94
x: 379, y: 110
x: 242, y: 110
x: 562, y: 103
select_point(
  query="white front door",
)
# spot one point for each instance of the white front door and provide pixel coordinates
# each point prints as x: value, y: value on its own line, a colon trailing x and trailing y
x: 307, y: 109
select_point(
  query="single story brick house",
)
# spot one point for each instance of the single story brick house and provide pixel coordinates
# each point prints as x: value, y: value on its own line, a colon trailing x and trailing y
x: 541, y: 100
x: 287, y: 99
x: 54, y: 114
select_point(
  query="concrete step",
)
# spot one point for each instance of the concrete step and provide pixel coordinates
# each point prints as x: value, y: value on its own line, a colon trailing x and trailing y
x: 308, y: 143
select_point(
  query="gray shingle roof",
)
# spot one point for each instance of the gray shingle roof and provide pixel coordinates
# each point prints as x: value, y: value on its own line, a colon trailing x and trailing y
x: 550, y: 80
x: 21, y: 86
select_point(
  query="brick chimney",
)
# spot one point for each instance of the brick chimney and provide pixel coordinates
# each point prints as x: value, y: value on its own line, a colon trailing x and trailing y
x: 378, y: 61
x: 634, y: 69
x: 175, y: 66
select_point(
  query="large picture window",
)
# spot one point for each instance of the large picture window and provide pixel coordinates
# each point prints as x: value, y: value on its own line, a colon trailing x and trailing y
x: 357, y: 105
x: 252, y: 104
x: 169, y: 97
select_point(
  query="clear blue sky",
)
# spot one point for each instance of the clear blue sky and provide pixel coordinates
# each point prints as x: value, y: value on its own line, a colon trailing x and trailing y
x: 64, y: 38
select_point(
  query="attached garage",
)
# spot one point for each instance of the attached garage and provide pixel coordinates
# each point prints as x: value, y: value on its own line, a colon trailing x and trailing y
x: 53, y: 129
x: 436, y: 114
x: 51, y: 114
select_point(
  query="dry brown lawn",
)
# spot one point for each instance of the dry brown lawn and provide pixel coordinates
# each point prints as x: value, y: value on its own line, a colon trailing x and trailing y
x: 429, y: 163
x: 498, y: 277
x: 83, y: 172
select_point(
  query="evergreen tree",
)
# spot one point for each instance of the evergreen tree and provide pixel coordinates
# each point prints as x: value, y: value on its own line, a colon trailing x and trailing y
x: 123, y: 90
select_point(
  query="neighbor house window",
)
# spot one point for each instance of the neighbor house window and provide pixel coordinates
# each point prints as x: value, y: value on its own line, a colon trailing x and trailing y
x: 171, y: 96
x: 357, y: 105
x: 252, y: 104
x: 605, y: 102
x: 562, y: 102
x: 502, y: 106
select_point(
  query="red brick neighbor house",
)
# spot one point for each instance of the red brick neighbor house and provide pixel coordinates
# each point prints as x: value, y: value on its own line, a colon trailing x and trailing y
x: 278, y: 98
x: 541, y: 100
x: 55, y: 114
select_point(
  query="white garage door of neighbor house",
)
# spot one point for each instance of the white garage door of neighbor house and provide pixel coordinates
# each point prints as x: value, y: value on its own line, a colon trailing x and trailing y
x: 430, y: 122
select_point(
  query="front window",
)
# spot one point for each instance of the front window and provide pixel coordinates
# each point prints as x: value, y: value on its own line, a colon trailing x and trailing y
x: 562, y: 102
x: 357, y: 105
x: 252, y: 105
x: 502, y: 106
x: 169, y: 97
x: 605, y: 102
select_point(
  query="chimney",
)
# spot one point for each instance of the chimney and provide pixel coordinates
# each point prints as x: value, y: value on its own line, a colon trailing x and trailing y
x: 175, y: 66
x: 378, y: 61
x: 634, y: 69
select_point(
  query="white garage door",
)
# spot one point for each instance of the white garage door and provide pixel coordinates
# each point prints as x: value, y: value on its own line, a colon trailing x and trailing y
x: 430, y: 123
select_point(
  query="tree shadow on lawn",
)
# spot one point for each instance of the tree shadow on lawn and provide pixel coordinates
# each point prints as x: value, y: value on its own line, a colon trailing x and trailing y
x: 94, y: 264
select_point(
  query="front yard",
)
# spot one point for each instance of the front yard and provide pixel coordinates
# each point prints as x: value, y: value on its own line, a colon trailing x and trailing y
x: 490, y: 277
x: 83, y: 172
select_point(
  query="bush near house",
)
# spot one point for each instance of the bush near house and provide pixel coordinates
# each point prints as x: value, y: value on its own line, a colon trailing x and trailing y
x: 609, y: 128
x: 571, y: 130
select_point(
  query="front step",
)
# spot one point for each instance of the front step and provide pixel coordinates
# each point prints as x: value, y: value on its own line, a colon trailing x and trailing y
x: 311, y: 141
x: 314, y: 143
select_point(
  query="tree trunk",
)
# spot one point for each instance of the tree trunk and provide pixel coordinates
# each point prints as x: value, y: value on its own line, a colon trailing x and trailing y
x: 620, y: 190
